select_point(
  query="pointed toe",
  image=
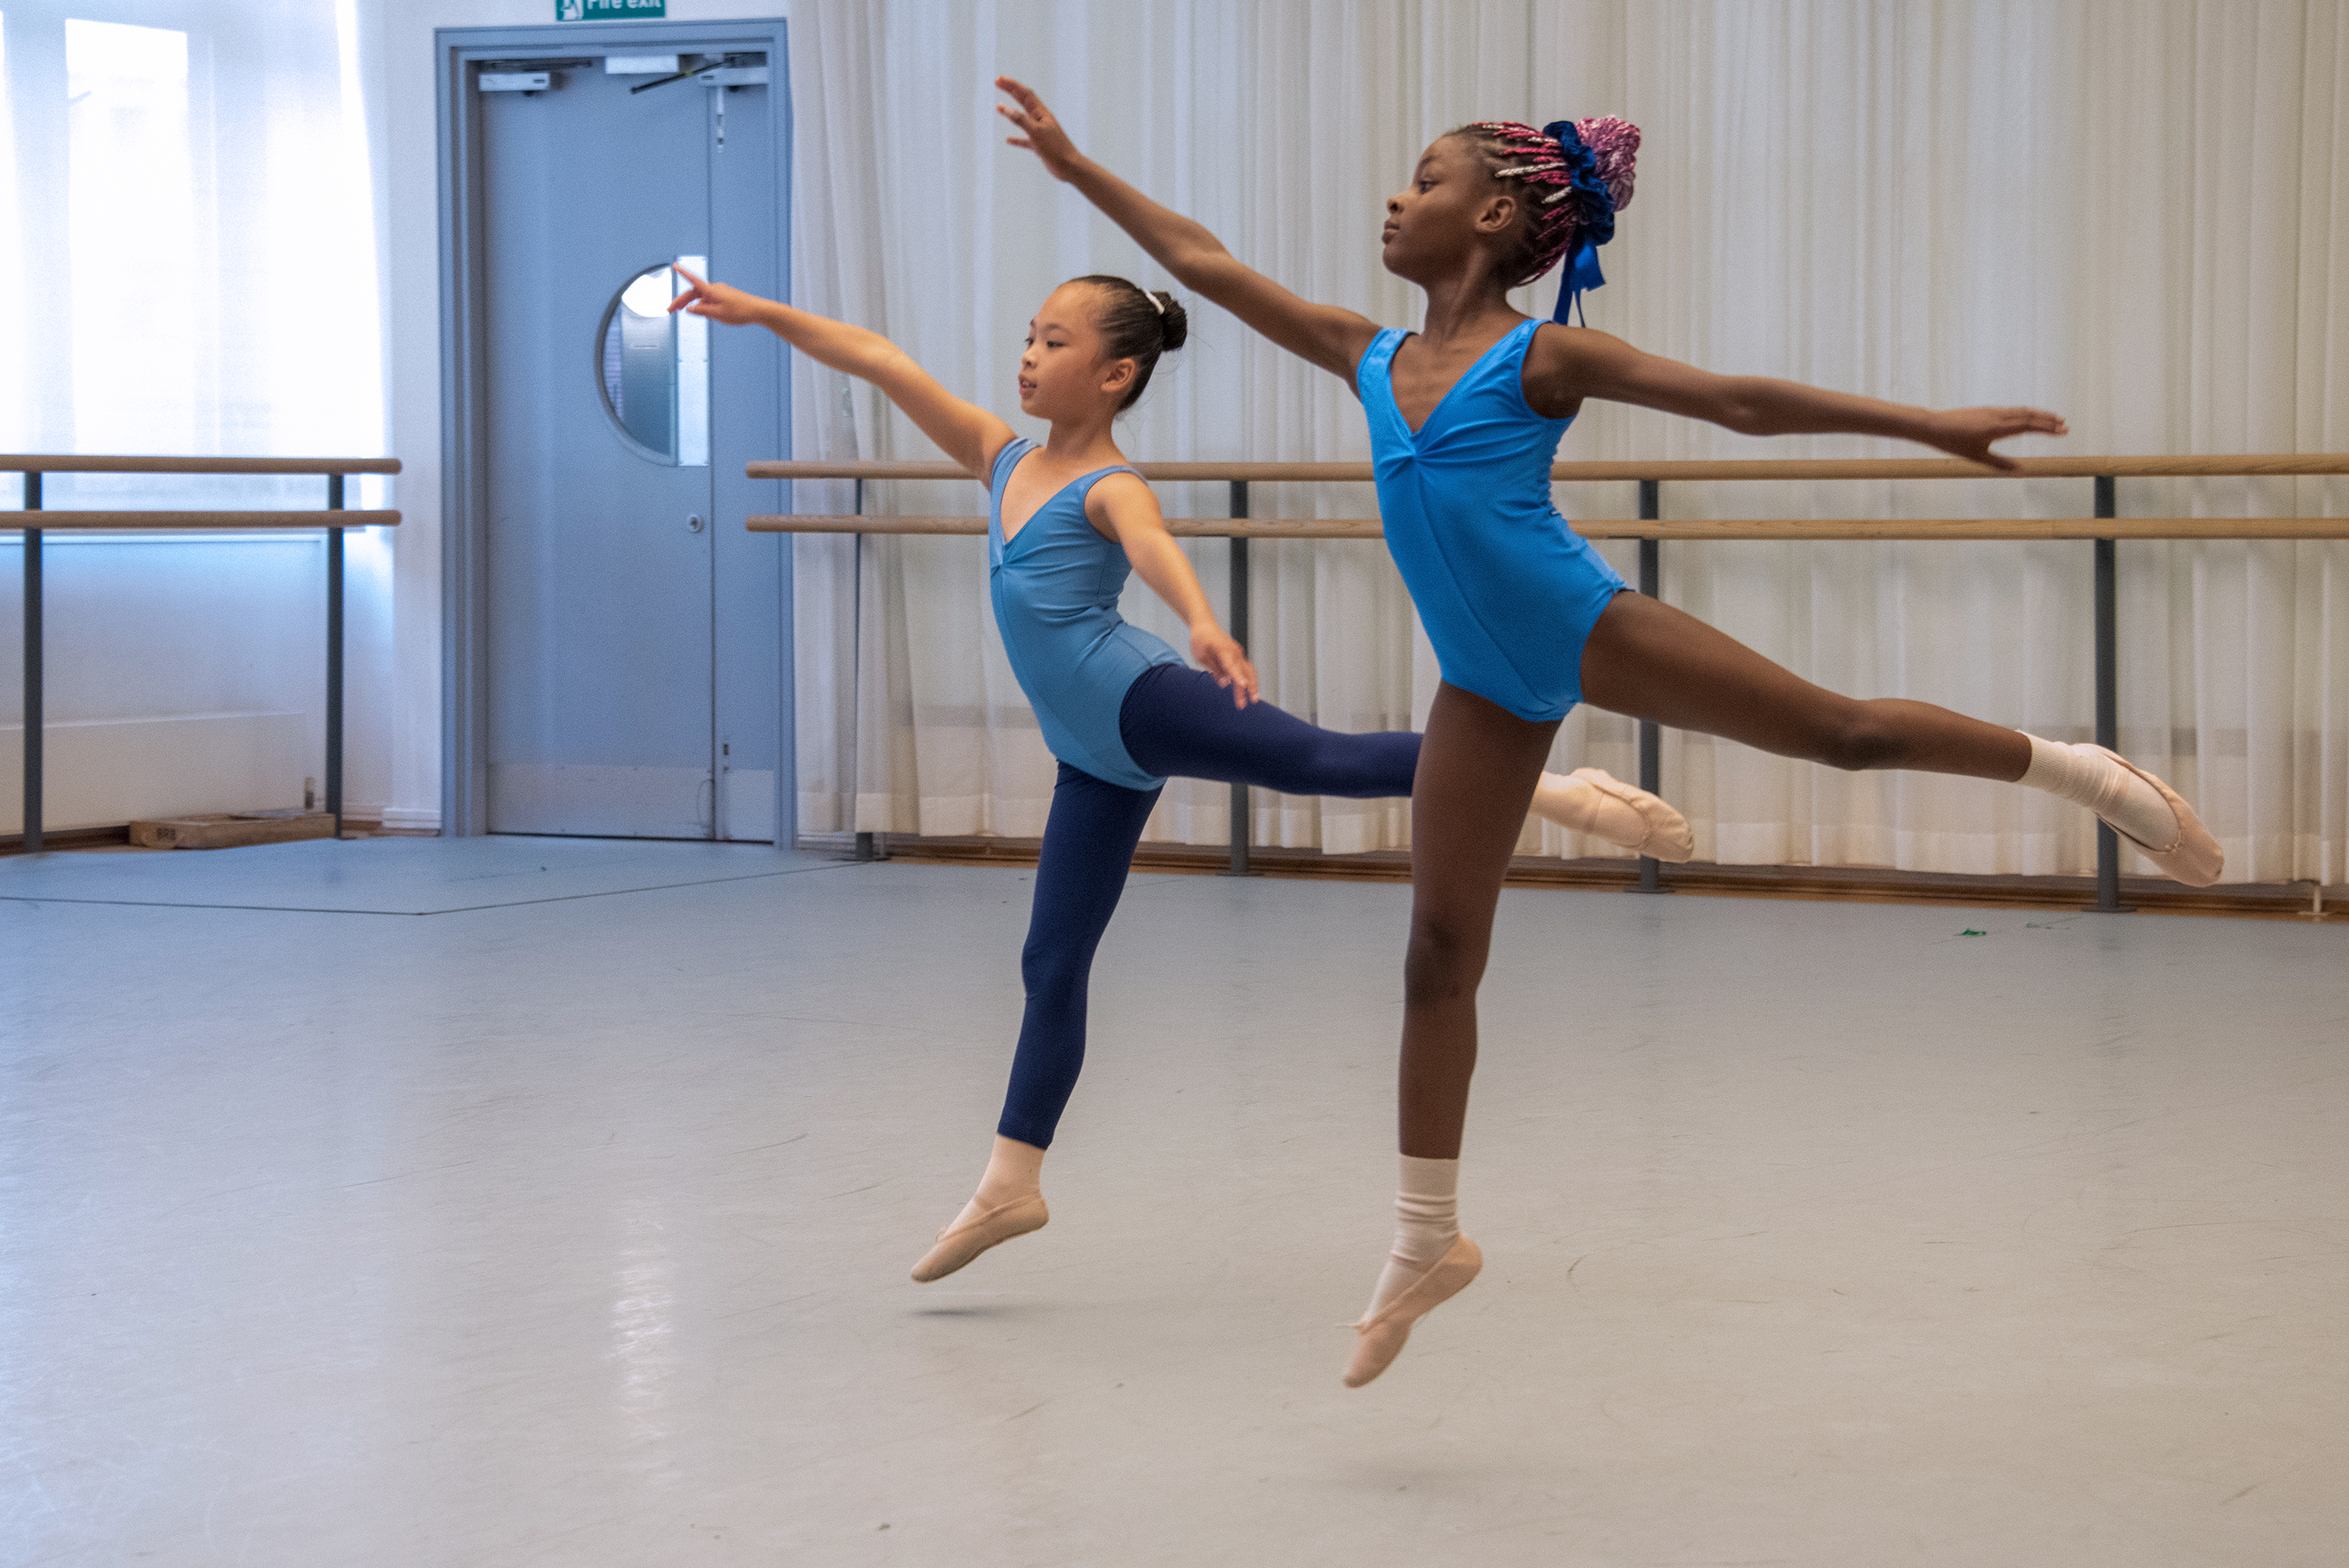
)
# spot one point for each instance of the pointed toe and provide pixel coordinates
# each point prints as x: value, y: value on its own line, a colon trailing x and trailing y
x: 958, y: 1245
x: 1379, y: 1336
x: 2195, y: 858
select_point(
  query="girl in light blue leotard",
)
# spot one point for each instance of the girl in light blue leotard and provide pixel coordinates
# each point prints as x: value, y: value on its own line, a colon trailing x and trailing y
x: 1121, y: 711
x: 1464, y: 416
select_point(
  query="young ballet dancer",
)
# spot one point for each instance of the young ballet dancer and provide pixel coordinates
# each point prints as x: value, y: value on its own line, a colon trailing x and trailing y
x: 1119, y: 708
x: 1526, y: 620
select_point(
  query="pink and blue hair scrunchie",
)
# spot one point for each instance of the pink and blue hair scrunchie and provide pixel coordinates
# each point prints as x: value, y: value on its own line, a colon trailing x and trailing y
x: 1594, y: 205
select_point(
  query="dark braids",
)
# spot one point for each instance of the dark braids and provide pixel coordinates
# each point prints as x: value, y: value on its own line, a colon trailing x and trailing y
x: 1137, y: 324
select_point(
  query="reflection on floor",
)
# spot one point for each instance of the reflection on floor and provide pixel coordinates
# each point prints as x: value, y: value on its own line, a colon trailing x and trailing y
x: 570, y: 1224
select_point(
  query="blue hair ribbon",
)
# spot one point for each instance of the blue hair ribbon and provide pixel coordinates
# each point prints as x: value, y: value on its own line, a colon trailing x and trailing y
x: 1595, y: 215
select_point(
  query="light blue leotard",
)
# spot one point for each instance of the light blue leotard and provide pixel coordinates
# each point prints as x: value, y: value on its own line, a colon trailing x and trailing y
x: 1055, y: 589
x: 1508, y: 593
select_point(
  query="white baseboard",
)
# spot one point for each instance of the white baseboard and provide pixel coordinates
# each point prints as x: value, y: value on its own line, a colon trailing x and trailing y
x: 408, y: 819
x: 102, y: 772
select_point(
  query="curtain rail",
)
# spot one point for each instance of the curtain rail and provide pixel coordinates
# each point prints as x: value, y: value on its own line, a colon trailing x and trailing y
x: 33, y: 462
x: 2278, y: 465
x: 35, y: 520
x: 1759, y: 528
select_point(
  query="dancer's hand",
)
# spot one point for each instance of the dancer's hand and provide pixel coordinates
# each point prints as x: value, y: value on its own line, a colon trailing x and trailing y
x: 719, y: 301
x: 1222, y: 656
x: 1040, y: 133
x: 1968, y: 433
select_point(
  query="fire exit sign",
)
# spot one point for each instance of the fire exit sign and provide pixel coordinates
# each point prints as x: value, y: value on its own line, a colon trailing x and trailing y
x: 608, y: 10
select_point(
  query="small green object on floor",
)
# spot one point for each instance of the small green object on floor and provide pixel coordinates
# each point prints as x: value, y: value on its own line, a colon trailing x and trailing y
x: 1970, y: 931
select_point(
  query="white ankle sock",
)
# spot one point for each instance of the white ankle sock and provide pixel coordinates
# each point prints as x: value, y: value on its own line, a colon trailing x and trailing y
x: 1013, y: 1171
x: 1427, y: 1221
x: 2088, y: 778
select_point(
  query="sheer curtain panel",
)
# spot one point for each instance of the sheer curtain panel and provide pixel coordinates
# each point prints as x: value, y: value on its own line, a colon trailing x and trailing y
x: 2130, y: 211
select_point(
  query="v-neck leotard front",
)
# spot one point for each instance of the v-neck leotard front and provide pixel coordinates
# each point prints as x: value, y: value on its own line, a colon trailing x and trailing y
x: 1508, y: 593
x: 1055, y: 588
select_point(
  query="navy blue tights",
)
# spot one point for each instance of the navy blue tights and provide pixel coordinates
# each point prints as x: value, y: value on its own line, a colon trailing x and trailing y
x: 1178, y: 724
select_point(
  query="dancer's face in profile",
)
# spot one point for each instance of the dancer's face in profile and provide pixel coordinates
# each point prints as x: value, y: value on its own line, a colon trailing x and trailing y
x: 1450, y: 210
x: 1063, y: 371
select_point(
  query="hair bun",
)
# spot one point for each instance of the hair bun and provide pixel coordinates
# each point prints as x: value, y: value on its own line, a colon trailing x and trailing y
x: 1175, y: 322
x: 1615, y: 148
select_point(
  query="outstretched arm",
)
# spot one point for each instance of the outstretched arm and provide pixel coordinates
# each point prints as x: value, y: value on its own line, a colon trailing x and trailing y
x: 964, y: 431
x: 1570, y: 364
x: 1322, y: 335
x: 1127, y: 509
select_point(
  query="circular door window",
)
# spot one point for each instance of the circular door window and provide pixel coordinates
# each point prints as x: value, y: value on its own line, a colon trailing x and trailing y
x: 652, y: 370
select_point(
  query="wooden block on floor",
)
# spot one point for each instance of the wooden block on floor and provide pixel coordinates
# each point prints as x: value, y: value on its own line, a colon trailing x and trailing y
x: 229, y: 830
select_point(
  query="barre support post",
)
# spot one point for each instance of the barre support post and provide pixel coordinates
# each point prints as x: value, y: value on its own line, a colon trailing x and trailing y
x: 2108, y: 843
x: 335, y: 657
x: 1239, y: 629
x: 1651, y: 738
x: 863, y: 841
x: 33, y: 672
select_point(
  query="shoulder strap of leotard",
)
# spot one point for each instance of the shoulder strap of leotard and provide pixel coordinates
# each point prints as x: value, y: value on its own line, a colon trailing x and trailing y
x: 1097, y: 475
x: 1006, y: 459
x: 1376, y: 358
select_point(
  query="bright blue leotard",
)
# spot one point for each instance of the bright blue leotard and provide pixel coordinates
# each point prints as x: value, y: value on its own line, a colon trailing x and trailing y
x: 1508, y: 593
x: 1055, y: 588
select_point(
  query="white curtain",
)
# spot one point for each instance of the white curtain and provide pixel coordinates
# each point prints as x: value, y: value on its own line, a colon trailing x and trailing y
x: 2131, y: 211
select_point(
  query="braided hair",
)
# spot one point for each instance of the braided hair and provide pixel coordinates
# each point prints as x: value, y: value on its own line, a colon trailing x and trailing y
x: 1573, y: 185
x: 1137, y: 324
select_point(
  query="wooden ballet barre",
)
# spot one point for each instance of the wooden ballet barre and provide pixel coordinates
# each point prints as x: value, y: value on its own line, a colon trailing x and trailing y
x: 35, y: 520
x: 38, y: 462
x: 1717, y: 528
x: 194, y: 522
x: 2280, y: 464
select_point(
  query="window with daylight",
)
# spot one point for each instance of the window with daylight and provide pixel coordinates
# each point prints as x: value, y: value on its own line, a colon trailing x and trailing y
x: 188, y: 221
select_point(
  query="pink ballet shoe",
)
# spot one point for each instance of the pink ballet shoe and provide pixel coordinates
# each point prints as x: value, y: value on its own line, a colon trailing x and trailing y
x: 2196, y: 859
x: 1384, y: 1332
x: 958, y: 1245
x: 1662, y: 831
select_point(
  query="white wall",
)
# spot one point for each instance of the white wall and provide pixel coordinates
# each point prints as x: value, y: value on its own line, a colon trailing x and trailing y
x: 401, y: 69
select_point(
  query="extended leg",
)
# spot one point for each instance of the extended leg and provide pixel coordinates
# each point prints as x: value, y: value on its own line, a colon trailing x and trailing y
x: 1178, y: 722
x: 1081, y: 872
x: 1651, y: 661
x: 1476, y: 774
x: 1089, y: 841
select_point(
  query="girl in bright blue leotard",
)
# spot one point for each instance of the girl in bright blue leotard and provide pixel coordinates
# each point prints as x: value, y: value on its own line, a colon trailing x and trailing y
x: 1464, y: 417
x: 1119, y: 708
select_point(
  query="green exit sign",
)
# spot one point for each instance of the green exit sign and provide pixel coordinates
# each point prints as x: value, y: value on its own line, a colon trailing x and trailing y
x: 608, y: 10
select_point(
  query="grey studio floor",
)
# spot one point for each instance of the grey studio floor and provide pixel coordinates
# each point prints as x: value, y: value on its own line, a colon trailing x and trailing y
x: 537, y: 1201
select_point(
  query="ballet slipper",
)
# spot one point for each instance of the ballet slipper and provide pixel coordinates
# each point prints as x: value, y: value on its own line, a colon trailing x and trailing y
x: 958, y: 1245
x: 1383, y: 1333
x: 2195, y: 858
x: 1663, y: 831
